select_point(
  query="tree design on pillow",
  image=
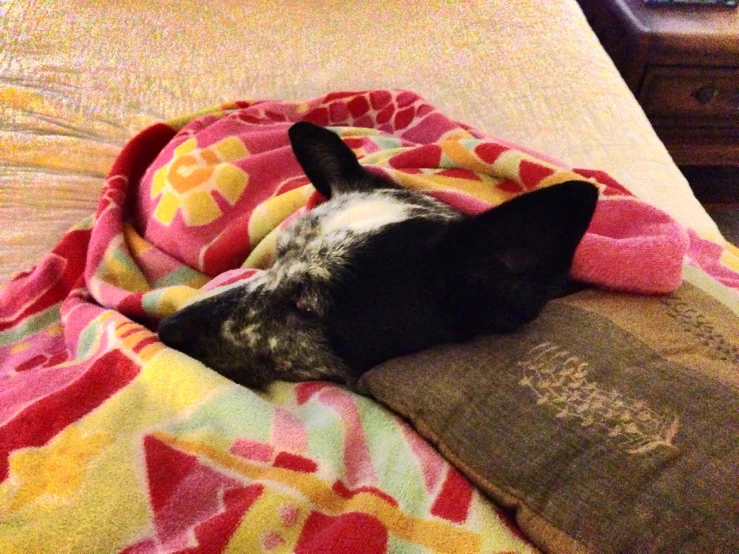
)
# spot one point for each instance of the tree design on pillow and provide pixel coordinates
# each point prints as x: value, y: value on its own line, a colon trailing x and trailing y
x: 560, y: 380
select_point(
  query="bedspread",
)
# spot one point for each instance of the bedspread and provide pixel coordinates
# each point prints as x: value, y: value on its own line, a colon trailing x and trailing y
x: 109, y: 441
x: 79, y: 78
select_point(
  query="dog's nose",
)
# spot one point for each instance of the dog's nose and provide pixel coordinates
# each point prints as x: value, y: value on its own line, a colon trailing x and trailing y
x: 176, y: 332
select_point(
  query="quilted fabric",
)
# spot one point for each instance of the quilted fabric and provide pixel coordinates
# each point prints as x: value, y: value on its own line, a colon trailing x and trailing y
x: 79, y: 78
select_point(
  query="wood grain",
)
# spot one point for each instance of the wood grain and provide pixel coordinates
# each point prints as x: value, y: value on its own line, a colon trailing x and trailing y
x: 682, y: 63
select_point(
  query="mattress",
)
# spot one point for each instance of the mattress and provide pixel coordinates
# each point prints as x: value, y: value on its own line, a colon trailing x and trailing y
x: 79, y: 78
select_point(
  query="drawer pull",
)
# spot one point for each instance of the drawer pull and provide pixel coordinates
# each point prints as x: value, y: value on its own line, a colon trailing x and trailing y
x: 705, y: 94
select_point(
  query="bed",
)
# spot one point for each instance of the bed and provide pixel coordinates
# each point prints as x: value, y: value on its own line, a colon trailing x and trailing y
x: 194, y: 463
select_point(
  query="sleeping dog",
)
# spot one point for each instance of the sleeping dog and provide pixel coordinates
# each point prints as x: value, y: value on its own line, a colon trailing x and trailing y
x: 377, y: 271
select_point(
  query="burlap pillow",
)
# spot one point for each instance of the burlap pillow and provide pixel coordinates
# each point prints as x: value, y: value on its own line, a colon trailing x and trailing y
x: 610, y: 424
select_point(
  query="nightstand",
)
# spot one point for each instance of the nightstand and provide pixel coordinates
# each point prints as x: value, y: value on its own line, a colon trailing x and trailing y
x: 682, y: 63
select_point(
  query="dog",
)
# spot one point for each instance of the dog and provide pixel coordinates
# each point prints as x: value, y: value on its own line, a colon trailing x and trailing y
x: 377, y: 271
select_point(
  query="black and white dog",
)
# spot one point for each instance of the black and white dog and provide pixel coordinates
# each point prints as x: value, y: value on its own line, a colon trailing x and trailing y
x: 377, y: 271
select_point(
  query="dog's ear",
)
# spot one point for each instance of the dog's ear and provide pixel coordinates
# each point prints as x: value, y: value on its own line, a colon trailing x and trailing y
x: 533, y: 235
x: 328, y: 162
x: 499, y: 268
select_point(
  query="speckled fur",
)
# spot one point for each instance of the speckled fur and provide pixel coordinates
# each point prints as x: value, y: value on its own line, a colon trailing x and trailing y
x: 307, y: 260
x: 274, y: 329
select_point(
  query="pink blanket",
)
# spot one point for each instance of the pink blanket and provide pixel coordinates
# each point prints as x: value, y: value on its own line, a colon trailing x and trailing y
x: 110, y: 441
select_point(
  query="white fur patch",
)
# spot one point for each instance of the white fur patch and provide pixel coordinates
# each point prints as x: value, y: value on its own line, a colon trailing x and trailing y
x: 367, y: 215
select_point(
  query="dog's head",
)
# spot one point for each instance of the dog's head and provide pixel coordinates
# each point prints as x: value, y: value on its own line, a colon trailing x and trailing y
x: 377, y: 271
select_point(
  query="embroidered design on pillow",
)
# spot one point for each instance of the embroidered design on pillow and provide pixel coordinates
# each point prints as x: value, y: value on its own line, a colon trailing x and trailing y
x: 561, y: 380
x: 696, y: 323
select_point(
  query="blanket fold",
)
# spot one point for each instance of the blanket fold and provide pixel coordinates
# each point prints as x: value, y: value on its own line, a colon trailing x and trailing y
x: 109, y: 441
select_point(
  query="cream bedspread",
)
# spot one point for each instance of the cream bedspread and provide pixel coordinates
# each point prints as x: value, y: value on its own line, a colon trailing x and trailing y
x: 78, y: 78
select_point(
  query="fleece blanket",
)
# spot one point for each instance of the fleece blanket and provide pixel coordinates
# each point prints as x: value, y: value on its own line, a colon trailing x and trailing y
x: 112, y: 442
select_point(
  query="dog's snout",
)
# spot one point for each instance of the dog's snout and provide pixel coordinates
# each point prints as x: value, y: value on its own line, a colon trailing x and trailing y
x: 178, y: 331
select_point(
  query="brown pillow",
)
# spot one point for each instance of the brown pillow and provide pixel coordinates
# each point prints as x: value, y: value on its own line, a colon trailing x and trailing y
x: 610, y: 424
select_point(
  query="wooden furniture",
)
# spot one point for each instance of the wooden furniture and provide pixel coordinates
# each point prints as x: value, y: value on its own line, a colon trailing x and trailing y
x: 682, y: 63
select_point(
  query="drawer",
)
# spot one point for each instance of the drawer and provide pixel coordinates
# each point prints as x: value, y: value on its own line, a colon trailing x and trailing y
x: 708, y: 96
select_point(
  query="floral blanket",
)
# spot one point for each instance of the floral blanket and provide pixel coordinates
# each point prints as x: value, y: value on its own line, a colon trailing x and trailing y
x: 112, y: 442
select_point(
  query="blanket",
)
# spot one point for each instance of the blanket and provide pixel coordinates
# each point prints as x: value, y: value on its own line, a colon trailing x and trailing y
x: 112, y: 442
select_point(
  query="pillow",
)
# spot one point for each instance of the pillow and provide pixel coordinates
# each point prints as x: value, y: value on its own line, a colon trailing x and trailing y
x: 609, y: 424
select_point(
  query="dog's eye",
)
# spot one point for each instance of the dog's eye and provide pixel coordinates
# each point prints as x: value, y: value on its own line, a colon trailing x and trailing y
x: 306, y: 311
x: 306, y: 302
x: 304, y: 307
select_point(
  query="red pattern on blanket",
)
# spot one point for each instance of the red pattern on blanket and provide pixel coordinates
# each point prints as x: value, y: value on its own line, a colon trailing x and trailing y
x: 152, y: 451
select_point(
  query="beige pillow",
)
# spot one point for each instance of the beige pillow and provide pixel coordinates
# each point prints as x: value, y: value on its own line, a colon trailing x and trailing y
x: 610, y: 424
